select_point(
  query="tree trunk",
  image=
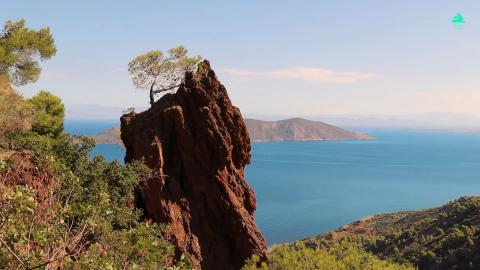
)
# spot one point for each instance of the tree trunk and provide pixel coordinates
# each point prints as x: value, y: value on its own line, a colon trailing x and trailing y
x: 152, y: 95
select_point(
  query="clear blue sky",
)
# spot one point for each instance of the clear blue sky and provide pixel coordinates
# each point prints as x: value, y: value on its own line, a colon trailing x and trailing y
x: 274, y: 57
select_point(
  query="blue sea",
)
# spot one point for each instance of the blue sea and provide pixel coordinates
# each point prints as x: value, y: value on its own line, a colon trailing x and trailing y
x: 306, y: 188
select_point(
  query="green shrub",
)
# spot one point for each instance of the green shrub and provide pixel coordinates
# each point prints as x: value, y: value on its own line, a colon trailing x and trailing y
x: 90, y: 220
x: 15, y: 114
x: 341, y: 256
x: 49, y: 114
x: 447, y: 237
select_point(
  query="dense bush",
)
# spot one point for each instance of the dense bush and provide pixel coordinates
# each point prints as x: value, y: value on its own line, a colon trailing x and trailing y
x: 446, y: 237
x: 341, y: 256
x: 21, y: 50
x: 15, y: 114
x: 59, y: 208
x: 443, y: 238
x: 83, y: 215
x: 49, y: 114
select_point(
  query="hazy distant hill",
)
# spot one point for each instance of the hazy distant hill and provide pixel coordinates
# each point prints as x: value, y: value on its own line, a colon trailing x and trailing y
x: 109, y: 136
x: 295, y: 129
x: 420, y: 121
x: 298, y: 129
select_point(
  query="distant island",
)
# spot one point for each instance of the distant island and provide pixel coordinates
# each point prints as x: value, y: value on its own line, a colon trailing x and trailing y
x: 298, y: 129
x: 294, y: 129
x: 109, y: 136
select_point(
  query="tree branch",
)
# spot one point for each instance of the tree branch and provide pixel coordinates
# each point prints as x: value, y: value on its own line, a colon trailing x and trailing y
x: 13, y: 253
x: 72, y: 252
x: 166, y: 88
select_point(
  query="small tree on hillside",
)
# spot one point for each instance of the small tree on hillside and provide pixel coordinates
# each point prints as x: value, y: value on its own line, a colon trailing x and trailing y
x: 20, y: 51
x: 160, y: 73
x: 49, y: 114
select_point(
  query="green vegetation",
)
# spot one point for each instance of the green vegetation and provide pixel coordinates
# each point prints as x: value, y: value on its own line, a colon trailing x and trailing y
x: 49, y: 114
x: 20, y: 51
x: 446, y: 237
x: 160, y: 73
x: 443, y: 238
x: 58, y: 207
x: 75, y: 212
x: 15, y: 114
x: 341, y: 256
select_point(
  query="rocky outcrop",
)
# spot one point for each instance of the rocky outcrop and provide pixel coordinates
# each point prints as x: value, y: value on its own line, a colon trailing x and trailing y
x: 197, y: 143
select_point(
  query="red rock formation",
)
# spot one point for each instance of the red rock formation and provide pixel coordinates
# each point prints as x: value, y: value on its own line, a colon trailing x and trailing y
x: 197, y: 143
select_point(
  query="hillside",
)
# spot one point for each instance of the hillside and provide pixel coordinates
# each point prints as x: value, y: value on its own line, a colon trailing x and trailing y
x: 295, y: 129
x: 298, y: 129
x: 447, y: 237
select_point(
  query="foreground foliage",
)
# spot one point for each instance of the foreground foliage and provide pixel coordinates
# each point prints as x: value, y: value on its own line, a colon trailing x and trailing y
x: 15, y: 114
x: 341, y: 256
x: 447, y: 237
x: 21, y: 49
x: 49, y: 114
x: 61, y: 209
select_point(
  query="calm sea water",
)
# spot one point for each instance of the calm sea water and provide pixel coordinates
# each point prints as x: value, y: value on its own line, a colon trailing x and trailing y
x: 93, y: 127
x: 306, y: 188
x: 89, y: 127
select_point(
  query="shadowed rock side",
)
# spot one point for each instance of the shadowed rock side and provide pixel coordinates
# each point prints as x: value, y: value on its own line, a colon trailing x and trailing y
x: 197, y: 143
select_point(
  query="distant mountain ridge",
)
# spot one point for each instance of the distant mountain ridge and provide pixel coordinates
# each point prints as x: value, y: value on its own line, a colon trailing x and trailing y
x: 294, y: 129
x: 422, y: 121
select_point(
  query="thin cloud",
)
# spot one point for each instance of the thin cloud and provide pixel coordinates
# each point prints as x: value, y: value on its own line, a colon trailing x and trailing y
x: 302, y: 73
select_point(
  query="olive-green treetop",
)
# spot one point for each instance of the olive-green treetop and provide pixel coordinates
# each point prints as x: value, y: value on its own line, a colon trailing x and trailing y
x: 159, y: 73
x: 21, y: 49
x: 49, y: 114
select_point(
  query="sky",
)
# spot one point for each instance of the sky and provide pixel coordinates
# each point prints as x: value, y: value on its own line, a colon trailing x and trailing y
x: 274, y: 57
